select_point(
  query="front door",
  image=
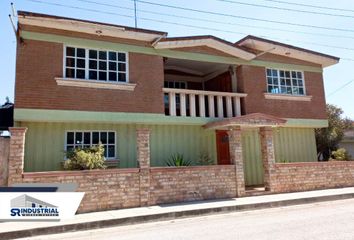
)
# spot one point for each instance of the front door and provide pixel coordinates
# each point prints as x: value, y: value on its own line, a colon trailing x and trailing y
x: 222, y: 146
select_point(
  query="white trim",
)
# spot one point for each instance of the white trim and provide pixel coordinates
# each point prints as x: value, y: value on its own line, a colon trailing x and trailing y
x: 87, y: 62
x: 91, y: 131
x: 209, y: 42
x: 287, y: 97
x: 95, y: 84
x: 198, y: 92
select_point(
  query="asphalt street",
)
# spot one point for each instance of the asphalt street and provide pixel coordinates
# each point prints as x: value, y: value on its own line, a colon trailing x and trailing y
x: 320, y: 221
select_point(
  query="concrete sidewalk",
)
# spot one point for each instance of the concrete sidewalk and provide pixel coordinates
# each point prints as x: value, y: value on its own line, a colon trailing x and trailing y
x: 11, y: 230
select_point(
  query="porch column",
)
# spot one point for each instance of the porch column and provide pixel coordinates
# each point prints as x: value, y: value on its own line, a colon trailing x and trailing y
x: 268, y: 158
x: 16, y: 155
x: 143, y: 157
x: 235, y: 145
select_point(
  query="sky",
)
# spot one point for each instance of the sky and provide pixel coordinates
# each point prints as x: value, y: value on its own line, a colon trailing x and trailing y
x: 338, y: 79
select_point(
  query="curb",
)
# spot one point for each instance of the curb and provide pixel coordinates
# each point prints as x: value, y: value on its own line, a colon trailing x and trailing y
x: 166, y: 216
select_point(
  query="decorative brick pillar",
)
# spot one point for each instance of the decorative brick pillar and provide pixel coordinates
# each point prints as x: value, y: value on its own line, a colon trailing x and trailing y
x: 236, y: 157
x: 268, y: 157
x: 16, y: 155
x: 143, y: 156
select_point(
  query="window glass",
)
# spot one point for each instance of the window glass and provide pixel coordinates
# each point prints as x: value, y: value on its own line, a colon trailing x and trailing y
x: 285, y: 82
x: 86, y: 139
x: 92, y: 64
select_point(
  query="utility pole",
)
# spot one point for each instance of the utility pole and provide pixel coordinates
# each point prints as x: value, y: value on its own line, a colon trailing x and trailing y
x: 136, y: 22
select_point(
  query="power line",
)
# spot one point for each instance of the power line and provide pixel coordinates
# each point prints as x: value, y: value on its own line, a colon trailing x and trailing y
x: 311, y: 6
x: 286, y: 9
x: 215, y: 21
x: 181, y: 24
x: 340, y: 88
x: 242, y: 17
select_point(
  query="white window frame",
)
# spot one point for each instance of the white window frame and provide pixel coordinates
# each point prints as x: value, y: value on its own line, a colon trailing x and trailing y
x: 91, y: 131
x: 87, y: 65
x: 291, y: 81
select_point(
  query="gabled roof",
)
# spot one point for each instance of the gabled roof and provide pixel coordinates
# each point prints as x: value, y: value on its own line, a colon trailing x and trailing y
x: 279, y: 48
x: 85, y: 26
x: 205, y: 40
x: 248, y: 120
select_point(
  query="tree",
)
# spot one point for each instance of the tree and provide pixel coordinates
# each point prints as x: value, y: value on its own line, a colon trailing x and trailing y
x: 327, y: 139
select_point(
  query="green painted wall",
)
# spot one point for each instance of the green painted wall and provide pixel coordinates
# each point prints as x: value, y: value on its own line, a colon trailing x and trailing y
x: 45, y: 145
x: 291, y: 145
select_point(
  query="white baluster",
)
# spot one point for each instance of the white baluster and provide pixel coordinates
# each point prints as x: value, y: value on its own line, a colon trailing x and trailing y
x: 172, y: 103
x: 183, y: 104
x: 228, y: 106
x: 211, y: 106
x: 192, y: 104
x: 220, y: 107
x: 201, y: 105
x: 237, y: 106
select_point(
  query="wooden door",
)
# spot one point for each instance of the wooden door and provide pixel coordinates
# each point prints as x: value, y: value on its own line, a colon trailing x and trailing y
x: 222, y: 146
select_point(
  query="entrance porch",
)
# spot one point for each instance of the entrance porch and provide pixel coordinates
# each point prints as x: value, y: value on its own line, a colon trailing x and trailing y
x: 230, y: 147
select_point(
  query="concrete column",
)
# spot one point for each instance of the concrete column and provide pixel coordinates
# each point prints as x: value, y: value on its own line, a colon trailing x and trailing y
x: 268, y: 158
x: 16, y: 155
x: 143, y: 157
x: 235, y: 145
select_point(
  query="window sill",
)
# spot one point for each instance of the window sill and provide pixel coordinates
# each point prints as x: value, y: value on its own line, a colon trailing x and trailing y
x: 287, y: 97
x: 94, y: 84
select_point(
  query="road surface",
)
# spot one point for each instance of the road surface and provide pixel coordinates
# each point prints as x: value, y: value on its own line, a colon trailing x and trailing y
x: 323, y: 221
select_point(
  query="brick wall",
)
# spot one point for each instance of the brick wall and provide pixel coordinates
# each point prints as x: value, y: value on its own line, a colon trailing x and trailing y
x: 291, y: 177
x: 4, y: 160
x: 122, y: 188
x: 169, y: 185
x: 104, y: 189
x: 39, y: 62
x: 252, y: 80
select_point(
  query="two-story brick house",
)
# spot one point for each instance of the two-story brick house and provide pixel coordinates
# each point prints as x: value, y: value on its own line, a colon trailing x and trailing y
x: 80, y: 82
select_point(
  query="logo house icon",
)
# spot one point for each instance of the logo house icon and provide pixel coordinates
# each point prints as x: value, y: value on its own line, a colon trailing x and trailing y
x: 25, y: 205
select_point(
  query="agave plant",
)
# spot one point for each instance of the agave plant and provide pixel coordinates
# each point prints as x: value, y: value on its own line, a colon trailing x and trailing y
x: 177, y: 160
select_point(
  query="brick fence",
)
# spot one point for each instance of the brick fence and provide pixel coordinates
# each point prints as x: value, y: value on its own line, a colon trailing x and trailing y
x: 180, y: 184
x: 4, y: 158
x: 122, y: 188
x: 304, y: 176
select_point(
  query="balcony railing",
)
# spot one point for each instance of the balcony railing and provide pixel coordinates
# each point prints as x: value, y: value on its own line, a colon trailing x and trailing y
x: 195, y: 103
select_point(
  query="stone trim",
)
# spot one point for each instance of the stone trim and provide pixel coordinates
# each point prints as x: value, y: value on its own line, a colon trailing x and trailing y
x: 287, y: 97
x: 94, y: 84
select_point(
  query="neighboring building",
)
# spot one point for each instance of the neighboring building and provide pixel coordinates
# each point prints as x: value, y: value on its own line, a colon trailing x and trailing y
x: 348, y: 142
x: 25, y: 201
x: 80, y: 82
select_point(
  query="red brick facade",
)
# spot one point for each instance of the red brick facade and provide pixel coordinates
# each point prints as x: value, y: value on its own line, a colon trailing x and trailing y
x: 252, y: 80
x: 38, y: 63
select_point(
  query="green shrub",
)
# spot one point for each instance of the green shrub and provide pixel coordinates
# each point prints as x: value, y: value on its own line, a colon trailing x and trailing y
x: 340, y: 154
x: 87, y: 158
x: 177, y: 160
x: 205, y: 159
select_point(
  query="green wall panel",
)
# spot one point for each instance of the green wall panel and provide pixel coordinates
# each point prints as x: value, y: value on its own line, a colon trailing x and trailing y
x: 45, y: 143
x: 295, y: 145
x: 253, y: 166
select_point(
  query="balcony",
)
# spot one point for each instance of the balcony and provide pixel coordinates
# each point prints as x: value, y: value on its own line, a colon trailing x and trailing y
x: 197, y: 103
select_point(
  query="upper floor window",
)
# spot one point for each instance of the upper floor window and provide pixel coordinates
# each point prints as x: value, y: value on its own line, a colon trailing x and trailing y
x: 90, y: 64
x: 285, y: 82
x: 175, y: 84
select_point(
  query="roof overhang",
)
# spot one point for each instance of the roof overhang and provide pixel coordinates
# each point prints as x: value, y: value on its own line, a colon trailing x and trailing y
x: 90, y: 27
x: 212, y: 42
x: 278, y: 48
x: 249, y: 120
